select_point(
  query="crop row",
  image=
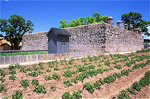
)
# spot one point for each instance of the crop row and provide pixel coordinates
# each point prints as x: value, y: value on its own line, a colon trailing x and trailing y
x: 135, y: 86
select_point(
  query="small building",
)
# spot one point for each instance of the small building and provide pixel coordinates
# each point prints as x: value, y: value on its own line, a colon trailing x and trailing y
x: 5, y: 45
x: 58, y: 41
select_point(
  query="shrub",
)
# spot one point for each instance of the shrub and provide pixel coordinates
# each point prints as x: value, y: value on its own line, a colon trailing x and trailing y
x: 35, y: 82
x: 109, y: 79
x: 123, y: 95
x: 67, y: 83
x: 12, y: 77
x: 74, y: 80
x: 89, y: 87
x: 2, y: 73
x: 126, y: 72
x: 2, y: 79
x: 136, y: 86
x: 66, y: 95
x: 131, y: 90
x: 56, y: 69
x: 17, y: 95
x: 12, y: 72
x: 48, y: 77
x: 97, y: 85
x: 82, y: 69
x: 83, y: 59
x: 48, y: 70
x: 30, y: 69
x: 118, y: 66
x: 71, y: 61
x: 91, y: 67
x: 67, y: 73
x: 76, y: 94
x: 53, y: 87
x: 22, y: 69
x: 39, y: 89
x: 56, y: 76
x: 25, y: 83
x: 99, y: 65
x: 2, y: 88
x: 107, y: 63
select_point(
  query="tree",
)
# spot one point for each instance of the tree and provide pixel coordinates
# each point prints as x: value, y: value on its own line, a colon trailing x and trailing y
x: 63, y: 24
x: 15, y: 27
x: 97, y: 17
x: 135, y: 19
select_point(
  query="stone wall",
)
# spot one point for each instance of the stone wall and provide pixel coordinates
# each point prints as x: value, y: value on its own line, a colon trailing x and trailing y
x: 35, y: 41
x: 100, y: 37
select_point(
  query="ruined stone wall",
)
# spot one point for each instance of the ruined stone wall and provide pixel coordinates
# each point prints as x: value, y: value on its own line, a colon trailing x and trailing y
x: 121, y: 40
x: 100, y: 37
x: 88, y: 37
x: 35, y: 41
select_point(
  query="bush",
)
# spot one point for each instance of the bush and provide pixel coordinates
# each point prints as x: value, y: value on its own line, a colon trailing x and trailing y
x: 123, y: 95
x: 35, y: 82
x: 48, y: 70
x: 66, y: 95
x: 17, y: 95
x: 12, y: 77
x: 136, y: 86
x: 2, y: 88
x: 91, y: 67
x: 25, y: 83
x: 107, y: 63
x: 67, y: 83
x: 56, y: 76
x: 2, y: 79
x: 131, y: 90
x: 77, y: 94
x: 67, y: 73
x: 89, y: 87
x: 118, y: 66
x: 39, y: 89
x: 48, y: 77
x: 53, y: 87
x: 56, y: 69
x: 97, y: 85
x: 2, y: 73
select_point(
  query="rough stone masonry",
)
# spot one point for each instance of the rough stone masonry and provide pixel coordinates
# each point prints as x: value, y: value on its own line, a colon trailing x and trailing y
x: 101, y: 37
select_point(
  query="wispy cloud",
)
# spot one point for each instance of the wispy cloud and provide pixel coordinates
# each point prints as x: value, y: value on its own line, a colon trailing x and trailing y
x: 6, y: 0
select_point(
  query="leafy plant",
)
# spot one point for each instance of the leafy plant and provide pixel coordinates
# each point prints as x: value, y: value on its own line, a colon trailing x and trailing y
x: 2, y: 73
x: 89, y: 87
x: 91, y: 67
x: 66, y: 95
x: 71, y: 61
x: 12, y: 72
x: 56, y: 76
x: 53, y: 87
x: 97, y: 85
x: 48, y: 70
x: 56, y: 69
x: 30, y: 69
x: 99, y: 65
x: 83, y: 60
x: 35, y: 82
x: 17, y: 95
x: 22, y: 69
x: 74, y: 80
x: 107, y: 63
x: 110, y: 78
x: 67, y: 73
x: 2, y: 79
x: 48, y: 77
x: 123, y: 95
x: 25, y: 83
x: 118, y: 66
x: 12, y: 77
x: 41, y: 64
x: 131, y: 90
x: 76, y: 94
x: 126, y: 72
x: 2, y: 88
x: 67, y: 83
x: 39, y: 89
x: 136, y: 86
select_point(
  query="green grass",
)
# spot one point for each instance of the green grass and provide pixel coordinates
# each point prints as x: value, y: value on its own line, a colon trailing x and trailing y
x: 23, y: 53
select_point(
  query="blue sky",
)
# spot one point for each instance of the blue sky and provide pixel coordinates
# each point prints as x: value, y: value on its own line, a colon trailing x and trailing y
x: 47, y: 13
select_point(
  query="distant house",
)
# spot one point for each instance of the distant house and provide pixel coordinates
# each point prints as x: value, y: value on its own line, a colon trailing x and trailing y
x: 5, y: 45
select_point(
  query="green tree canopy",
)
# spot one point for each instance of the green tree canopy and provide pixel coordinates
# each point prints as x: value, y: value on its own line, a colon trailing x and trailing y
x: 135, y: 19
x: 15, y: 27
x: 95, y: 18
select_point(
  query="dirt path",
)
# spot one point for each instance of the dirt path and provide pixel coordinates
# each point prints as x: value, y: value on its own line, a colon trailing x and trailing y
x: 112, y: 89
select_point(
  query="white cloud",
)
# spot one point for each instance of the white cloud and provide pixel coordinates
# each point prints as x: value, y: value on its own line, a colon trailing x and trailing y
x: 6, y: 0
